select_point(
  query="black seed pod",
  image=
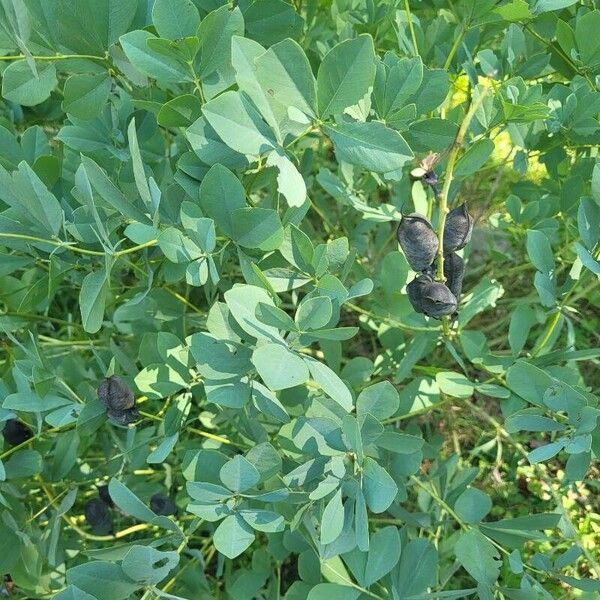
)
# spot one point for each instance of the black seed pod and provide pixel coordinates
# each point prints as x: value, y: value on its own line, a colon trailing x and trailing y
x: 415, y: 291
x: 98, y: 517
x: 15, y: 432
x: 458, y: 229
x: 124, y: 417
x: 115, y: 395
x: 418, y: 241
x: 454, y: 271
x: 105, y: 496
x: 161, y: 504
x: 437, y: 300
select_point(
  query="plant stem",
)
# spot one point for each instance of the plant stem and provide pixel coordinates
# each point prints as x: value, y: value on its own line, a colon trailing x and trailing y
x: 455, y: 46
x: 136, y: 248
x: 443, y: 197
x: 56, y: 57
x: 72, y: 247
x: 411, y: 27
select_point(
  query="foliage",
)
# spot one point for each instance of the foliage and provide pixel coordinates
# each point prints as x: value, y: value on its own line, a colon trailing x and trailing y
x: 199, y: 203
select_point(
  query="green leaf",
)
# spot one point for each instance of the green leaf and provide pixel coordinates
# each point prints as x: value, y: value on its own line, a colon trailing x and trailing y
x: 85, y: 95
x: 478, y: 556
x: 418, y: 568
x: 370, y: 145
x: 128, y: 502
x: 214, y: 63
x: 239, y: 125
x: 95, y: 24
x: 290, y: 182
x: 269, y: 21
x: 233, y: 536
x: 587, y: 41
x: 181, y: 111
x: 278, y: 367
x: 242, y: 301
x: 175, y: 19
x: 400, y: 443
x: 330, y: 383
x: 271, y: 315
x: 454, y: 384
x: 166, y: 67
x: 72, y: 592
x: 380, y: 400
x: 333, y: 591
x: 526, y: 421
x: 540, y: 251
x: 521, y: 321
x: 263, y: 520
x: 528, y: 381
x: 92, y: 300
x: 432, y: 135
x: 239, y: 474
x: 345, y: 75
x: 332, y: 520
x: 378, y: 487
x: 384, y: 553
x: 314, y: 312
x: 104, y: 580
x: 285, y: 75
x: 257, y: 228
x: 148, y: 566
x: 473, y: 505
x: 40, y: 204
x: 474, y: 158
x: 542, y: 6
x: 177, y: 247
x: 109, y: 192
x: 23, y: 464
x: 22, y: 86
x: 221, y: 193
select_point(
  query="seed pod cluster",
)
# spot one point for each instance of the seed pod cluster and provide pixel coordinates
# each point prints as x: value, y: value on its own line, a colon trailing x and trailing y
x: 118, y: 399
x: 420, y: 245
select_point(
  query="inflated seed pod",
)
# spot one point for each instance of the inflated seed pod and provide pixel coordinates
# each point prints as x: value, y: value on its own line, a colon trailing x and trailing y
x: 454, y: 272
x: 458, y: 229
x: 161, y: 504
x: 16, y: 432
x: 98, y: 517
x: 418, y: 241
x: 415, y: 291
x: 437, y: 300
x: 115, y: 395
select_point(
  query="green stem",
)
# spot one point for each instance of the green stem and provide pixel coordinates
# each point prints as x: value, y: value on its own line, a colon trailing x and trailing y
x: 411, y: 27
x: 455, y: 46
x: 136, y: 248
x: 56, y: 57
x: 443, y: 198
x: 72, y: 247
x: 391, y: 322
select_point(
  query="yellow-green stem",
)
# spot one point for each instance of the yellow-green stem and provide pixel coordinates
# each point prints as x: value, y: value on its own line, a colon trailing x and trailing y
x: 443, y: 198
